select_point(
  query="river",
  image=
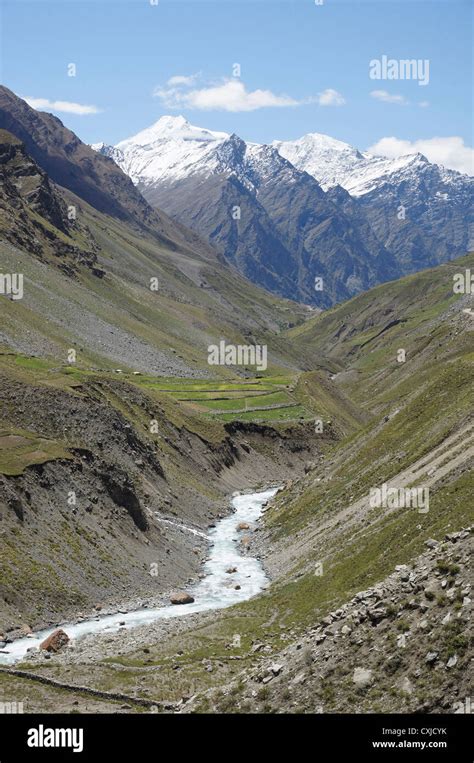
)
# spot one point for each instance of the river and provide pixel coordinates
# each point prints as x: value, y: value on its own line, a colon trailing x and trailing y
x: 215, y: 590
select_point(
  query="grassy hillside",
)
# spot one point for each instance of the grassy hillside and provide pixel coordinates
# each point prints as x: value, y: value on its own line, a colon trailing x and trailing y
x: 411, y: 407
x: 415, y: 313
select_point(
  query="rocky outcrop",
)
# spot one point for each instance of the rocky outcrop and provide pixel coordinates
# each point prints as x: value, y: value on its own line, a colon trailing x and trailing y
x: 34, y: 214
x: 30, y: 182
x: 122, y: 492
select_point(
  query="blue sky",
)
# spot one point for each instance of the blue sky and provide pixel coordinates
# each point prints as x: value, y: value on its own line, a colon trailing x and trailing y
x: 311, y: 61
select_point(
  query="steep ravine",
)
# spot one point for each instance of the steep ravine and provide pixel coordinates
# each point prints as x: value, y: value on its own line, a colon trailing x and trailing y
x: 80, y: 533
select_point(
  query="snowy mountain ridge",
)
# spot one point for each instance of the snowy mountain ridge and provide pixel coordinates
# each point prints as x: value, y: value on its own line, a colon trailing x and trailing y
x: 172, y: 149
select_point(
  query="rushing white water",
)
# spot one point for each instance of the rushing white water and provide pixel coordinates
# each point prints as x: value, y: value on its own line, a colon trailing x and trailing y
x: 181, y: 527
x: 215, y: 591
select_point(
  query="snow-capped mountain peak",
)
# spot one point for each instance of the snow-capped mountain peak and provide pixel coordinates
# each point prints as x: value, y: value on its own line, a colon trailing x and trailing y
x: 99, y: 147
x: 347, y: 225
x: 333, y: 162
x: 170, y: 149
x: 325, y: 158
x: 172, y: 128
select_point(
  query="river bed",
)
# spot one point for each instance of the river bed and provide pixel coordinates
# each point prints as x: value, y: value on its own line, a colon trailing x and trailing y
x: 216, y: 590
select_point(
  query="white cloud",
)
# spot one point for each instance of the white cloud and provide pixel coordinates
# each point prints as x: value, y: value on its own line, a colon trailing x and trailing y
x: 67, y: 106
x: 450, y: 152
x: 231, y: 95
x: 424, y: 104
x: 330, y: 97
x: 382, y: 95
x: 180, y: 80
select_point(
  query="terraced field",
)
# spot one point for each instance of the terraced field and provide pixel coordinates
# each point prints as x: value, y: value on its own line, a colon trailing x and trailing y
x: 266, y: 399
x: 295, y: 396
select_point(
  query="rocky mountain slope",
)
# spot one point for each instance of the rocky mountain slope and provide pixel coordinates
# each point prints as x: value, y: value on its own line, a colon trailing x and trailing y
x: 34, y: 214
x: 91, y: 177
x: 422, y: 212
x: 398, y: 646
x: 115, y: 321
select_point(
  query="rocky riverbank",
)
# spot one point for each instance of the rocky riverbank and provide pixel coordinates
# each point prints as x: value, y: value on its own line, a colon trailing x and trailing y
x: 399, y: 646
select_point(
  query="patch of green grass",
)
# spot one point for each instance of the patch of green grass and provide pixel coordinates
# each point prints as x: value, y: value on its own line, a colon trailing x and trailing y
x: 20, y: 449
x: 454, y: 641
x: 290, y: 413
x: 447, y: 568
x: 251, y: 403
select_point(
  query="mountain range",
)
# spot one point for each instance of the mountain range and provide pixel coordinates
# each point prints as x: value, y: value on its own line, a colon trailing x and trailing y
x: 292, y: 212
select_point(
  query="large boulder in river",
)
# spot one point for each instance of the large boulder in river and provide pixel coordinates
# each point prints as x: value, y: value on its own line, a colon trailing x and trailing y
x: 181, y: 598
x: 243, y: 526
x: 55, y: 641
